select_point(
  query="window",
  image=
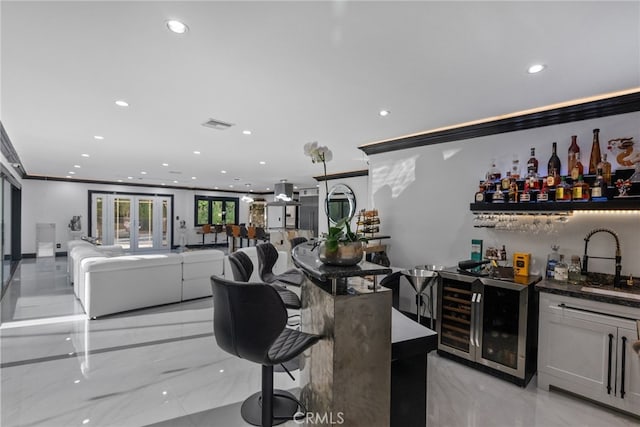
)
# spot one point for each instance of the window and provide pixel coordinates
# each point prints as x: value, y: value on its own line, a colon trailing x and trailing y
x: 216, y: 210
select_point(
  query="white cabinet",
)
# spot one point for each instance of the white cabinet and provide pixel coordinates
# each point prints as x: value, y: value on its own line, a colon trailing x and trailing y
x: 585, y: 348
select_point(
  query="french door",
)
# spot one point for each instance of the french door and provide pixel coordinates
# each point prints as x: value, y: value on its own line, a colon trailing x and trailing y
x: 136, y: 222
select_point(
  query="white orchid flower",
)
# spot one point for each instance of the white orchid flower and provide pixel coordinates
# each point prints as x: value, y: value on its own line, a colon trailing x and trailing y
x: 326, y: 154
x: 309, y: 148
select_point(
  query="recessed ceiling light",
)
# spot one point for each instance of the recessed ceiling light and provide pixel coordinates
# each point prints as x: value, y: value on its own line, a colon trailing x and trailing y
x: 215, y: 188
x: 129, y: 177
x: 268, y: 189
x: 247, y: 185
x: 295, y: 187
x: 163, y: 184
x: 119, y: 180
x: 121, y: 103
x: 230, y: 185
x: 98, y: 137
x: 536, y: 68
x: 196, y: 152
x: 177, y: 26
x: 165, y: 164
x: 193, y: 177
x: 246, y: 132
x: 69, y: 176
x: 72, y: 173
x: 223, y: 171
x: 384, y: 113
x: 143, y: 173
x: 85, y: 155
x: 263, y: 162
x: 77, y: 166
x: 175, y: 182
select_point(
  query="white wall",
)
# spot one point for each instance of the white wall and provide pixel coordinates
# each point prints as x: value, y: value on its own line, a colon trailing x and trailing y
x: 57, y: 201
x: 423, y: 196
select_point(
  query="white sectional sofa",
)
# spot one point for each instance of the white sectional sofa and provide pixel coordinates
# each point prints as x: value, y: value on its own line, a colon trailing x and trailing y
x: 107, y: 282
x: 115, y: 284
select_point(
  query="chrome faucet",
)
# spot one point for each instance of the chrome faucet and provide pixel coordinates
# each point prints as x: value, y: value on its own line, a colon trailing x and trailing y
x: 618, y: 257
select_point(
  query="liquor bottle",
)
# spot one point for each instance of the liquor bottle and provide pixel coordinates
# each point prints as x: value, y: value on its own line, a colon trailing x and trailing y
x: 595, y: 152
x: 506, y: 181
x: 513, y: 192
x: 561, y: 270
x: 574, y: 272
x: 563, y: 191
x: 493, y: 174
x: 543, y: 195
x: 552, y: 260
x: 573, y: 149
x: 480, y: 194
x: 526, y: 194
x: 577, y: 169
x: 532, y: 164
x: 606, y: 169
x: 553, y: 168
x: 580, y: 190
x: 599, y: 188
x: 498, y: 196
x: 515, y: 167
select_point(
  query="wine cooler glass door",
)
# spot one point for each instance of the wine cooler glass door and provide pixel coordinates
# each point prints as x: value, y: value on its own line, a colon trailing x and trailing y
x: 455, y: 318
x: 502, y: 329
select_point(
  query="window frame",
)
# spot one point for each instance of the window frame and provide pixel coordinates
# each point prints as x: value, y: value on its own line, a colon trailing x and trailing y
x: 210, y: 200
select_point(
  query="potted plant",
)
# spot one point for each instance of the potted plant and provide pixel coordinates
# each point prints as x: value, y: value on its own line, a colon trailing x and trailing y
x: 339, y: 246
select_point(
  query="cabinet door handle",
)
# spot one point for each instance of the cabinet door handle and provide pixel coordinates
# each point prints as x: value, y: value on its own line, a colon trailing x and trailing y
x: 477, y: 328
x: 472, y: 317
x: 623, y: 363
x: 609, y: 365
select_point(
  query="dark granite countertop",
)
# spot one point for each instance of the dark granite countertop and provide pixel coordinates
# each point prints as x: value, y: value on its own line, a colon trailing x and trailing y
x: 307, y: 260
x: 627, y: 296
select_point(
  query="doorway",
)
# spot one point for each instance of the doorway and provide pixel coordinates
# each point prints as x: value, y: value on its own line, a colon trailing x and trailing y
x: 137, y: 222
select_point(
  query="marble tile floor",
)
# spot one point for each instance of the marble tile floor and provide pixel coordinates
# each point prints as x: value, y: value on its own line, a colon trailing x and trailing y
x: 161, y: 367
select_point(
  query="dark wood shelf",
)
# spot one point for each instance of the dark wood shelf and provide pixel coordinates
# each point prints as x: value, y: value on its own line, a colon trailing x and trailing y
x: 623, y: 203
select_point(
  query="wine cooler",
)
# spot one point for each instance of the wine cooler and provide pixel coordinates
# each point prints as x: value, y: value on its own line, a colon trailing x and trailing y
x: 490, y: 324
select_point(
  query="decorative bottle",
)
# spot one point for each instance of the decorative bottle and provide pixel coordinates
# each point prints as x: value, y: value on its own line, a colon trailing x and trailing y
x: 577, y: 169
x: 606, y: 169
x: 574, y: 272
x: 573, y: 149
x: 563, y: 191
x: 595, y: 152
x: 552, y: 260
x: 599, y: 188
x: 553, y: 168
x: 493, y: 174
x: 561, y: 270
x: 580, y: 190
x: 532, y: 164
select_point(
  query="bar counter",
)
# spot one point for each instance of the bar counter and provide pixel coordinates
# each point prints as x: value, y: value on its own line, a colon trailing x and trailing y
x: 347, y: 374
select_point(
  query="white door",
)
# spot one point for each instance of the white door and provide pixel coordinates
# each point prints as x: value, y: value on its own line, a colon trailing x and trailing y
x: 135, y: 222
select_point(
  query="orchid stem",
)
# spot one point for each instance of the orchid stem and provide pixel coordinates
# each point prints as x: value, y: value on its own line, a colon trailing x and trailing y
x: 326, y: 198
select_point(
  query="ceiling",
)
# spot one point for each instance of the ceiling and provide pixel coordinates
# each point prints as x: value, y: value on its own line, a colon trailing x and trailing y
x: 291, y: 73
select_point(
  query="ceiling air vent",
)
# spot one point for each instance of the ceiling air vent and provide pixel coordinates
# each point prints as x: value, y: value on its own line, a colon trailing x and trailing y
x: 217, y: 124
